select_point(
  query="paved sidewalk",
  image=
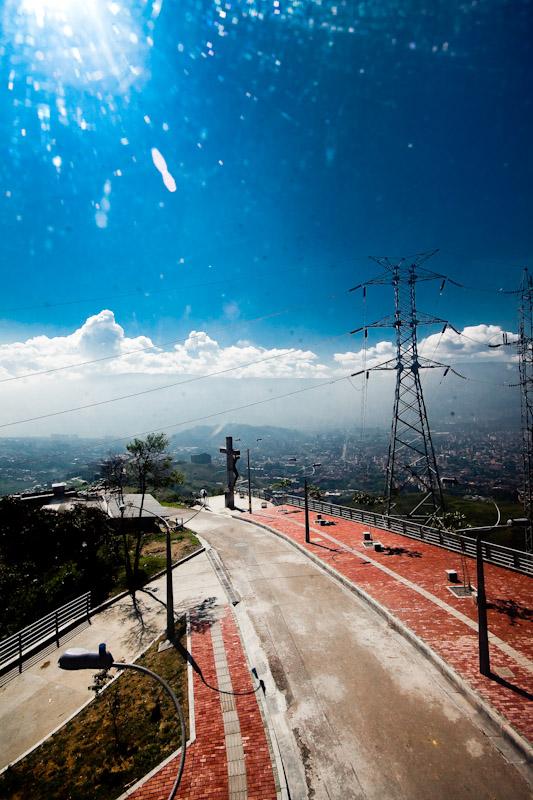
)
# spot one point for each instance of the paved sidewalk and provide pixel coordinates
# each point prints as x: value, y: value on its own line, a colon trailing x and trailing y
x: 230, y: 758
x: 409, y: 579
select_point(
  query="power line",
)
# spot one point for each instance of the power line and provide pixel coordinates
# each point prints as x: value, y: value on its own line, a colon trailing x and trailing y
x: 231, y: 410
x: 142, y: 392
x: 78, y: 364
x: 129, y: 352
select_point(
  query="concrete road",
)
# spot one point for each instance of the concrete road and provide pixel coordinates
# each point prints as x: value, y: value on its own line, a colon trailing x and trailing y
x: 371, y: 717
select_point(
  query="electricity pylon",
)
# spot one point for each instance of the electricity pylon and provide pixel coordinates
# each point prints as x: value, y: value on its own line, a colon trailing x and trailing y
x: 411, y: 463
x: 525, y: 364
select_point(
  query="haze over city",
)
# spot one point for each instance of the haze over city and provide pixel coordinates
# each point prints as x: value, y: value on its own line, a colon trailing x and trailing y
x: 266, y: 381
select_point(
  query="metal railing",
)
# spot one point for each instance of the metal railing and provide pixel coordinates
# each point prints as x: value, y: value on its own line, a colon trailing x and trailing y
x: 517, y: 560
x: 16, y: 649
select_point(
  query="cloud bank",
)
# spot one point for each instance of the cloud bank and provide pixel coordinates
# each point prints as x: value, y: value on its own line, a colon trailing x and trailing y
x: 103, y: 363
x: 102, y: 337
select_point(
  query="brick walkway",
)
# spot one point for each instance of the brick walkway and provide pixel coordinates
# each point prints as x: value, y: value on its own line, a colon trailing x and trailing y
x: 216, y: 645
x: 409, y: 579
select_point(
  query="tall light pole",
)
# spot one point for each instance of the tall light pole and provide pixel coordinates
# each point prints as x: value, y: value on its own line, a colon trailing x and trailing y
x: 249, y: 482
x: 78, y: 658
x: 482, y: 621
x: 171, y: 630
x: 306, y: 504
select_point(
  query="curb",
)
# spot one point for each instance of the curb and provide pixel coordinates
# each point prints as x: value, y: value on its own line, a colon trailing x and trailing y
x: 524, y: 748
x: 126, y: 592
x: 78, y: 621
x: 192, y: 728
x: 284, y: 778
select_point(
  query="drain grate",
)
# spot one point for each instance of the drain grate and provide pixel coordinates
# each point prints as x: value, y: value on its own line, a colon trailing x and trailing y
x: 462, y: 591
x: 368, y: 544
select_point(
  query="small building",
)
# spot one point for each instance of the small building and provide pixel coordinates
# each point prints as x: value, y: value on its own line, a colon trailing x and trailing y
x: 201, y: 458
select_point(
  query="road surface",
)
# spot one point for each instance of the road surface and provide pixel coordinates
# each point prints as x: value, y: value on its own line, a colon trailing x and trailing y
x: 372, y: 718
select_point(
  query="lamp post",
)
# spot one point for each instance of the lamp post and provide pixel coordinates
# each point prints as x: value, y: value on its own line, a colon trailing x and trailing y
x: 482, y: 622
x: 249, y: 482
x: 171, y: 630
x: 78, y: 658
x: 306, y: 504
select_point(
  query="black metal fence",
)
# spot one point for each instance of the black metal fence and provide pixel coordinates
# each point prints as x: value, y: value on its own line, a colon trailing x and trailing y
x: 518, y: 560
x: 19, y: 648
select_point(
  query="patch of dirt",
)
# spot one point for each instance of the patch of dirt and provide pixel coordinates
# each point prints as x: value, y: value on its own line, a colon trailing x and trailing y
x: 280, y: 677
x: 306, y: 761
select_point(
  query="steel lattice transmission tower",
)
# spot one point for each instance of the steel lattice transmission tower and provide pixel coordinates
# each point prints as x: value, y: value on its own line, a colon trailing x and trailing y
x: 411, y: 463
x: 525, y: 362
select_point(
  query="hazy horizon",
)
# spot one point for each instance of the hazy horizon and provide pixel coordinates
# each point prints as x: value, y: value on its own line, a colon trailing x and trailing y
x: 187, y: 190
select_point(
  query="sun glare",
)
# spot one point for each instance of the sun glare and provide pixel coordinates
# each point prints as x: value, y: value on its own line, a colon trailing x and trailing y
x: 79, y: 43
x: 44, y: 10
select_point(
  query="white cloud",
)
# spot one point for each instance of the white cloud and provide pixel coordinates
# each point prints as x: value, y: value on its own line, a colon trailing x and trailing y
x: 281, y: 370
x: 101, y: 336
x: 471, y: 344
x: 473, y: 341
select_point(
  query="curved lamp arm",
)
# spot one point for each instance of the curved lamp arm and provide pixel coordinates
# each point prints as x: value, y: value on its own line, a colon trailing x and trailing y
x: 79, y: 658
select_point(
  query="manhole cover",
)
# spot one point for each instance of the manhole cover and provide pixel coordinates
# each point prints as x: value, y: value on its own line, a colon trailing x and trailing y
x: 461, y: 591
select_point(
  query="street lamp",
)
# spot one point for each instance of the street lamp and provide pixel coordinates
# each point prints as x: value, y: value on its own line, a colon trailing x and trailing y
x: 306, y: 501
x: 79, y: 658
x: 171, y: 631
x: 482, y: 623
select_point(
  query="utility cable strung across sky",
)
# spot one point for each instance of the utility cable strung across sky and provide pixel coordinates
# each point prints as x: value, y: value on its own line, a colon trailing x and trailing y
x: 284, y: 354
x: 222, y: 329
x: 252, y: 404
x: 411, y: 460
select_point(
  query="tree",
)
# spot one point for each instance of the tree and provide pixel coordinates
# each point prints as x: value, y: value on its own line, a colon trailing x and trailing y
x: 314, y: 492
x: 283, y: 483
x: 150, y: 466
x: 366, y: 499
x: 47, y: 558
x: 113, y: 471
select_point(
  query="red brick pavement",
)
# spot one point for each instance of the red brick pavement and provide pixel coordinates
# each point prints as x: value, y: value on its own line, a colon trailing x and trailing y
x: 206, y: 771
x: 259, y: 777
x: 423, y: 564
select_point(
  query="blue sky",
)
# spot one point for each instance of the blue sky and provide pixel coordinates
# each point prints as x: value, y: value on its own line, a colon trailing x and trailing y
x: 301, y: 139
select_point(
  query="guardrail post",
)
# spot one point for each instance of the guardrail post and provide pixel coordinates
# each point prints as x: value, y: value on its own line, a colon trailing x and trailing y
x: 56, y: 621
x: 20, y: 651
x: 88, y: 607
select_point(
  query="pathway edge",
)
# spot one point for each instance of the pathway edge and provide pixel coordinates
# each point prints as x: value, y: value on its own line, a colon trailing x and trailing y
x: 518, y: 743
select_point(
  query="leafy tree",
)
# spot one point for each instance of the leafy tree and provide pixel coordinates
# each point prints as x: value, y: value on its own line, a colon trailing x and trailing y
x: 150, y: 466
x: 449, y: 520
x: 113, y: 471
x: 366, y: 499
x: 47, y: 558
x: 314, y: 492
x: 283, y: 483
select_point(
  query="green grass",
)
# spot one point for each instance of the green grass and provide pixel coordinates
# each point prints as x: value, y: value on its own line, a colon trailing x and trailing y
x: 183, y: 542
x: 123, y: 734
